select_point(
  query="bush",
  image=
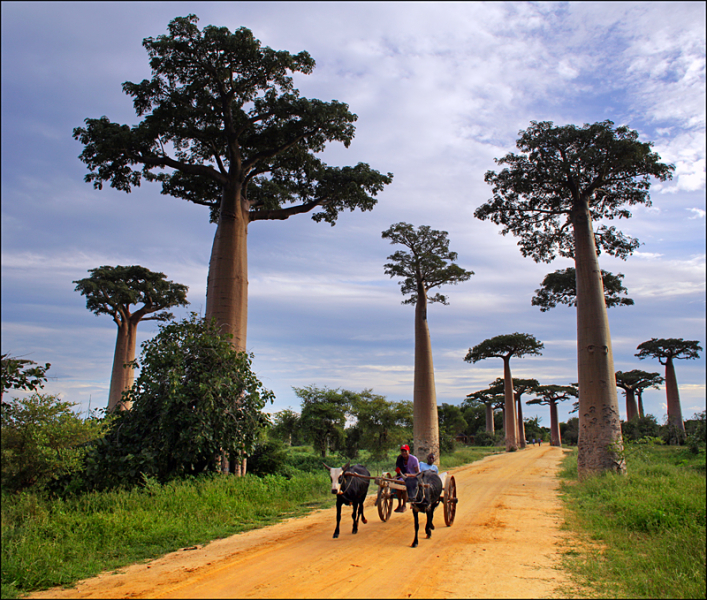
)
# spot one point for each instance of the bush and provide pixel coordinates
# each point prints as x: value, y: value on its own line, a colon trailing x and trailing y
x: 44, y: 441
x: 269, y: 458
x: 484, y: 438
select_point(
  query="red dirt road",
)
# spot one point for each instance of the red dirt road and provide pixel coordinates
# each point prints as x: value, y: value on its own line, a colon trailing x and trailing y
x: 505, y: 543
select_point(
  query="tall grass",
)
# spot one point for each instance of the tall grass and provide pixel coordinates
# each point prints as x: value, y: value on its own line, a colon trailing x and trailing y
x: 642, y: 535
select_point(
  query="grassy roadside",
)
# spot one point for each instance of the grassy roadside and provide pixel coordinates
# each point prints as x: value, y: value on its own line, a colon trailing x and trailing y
x: 641, y: 535
x: 46, y: 543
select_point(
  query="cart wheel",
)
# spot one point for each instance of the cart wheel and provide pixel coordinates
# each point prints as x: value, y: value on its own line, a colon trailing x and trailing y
x: 385, y: 504
x: 450, y: 500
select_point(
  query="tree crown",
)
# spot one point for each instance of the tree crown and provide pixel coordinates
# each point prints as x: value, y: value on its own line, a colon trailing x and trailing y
x: 638, y: 380
x: 427, y: 265
x: 551, y: 394
x: 22, y: 374
x: 505, y: 346
x: 221, y: 113
x: 665, y: 349
x: 560, y: 170
x: 560, y: 287
x: 112, y: 290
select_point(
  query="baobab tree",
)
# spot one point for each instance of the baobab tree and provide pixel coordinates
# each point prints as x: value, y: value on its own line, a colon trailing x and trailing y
x: 520, y: 387
x: 427, y: 265
x: 636, y: 381
x: 560, y: 287
x: 550, y: 395
x: 491, y: 401
x: 504, y: 347
x: 666, y: 351
x: 549, y: 196
x: 112, y: 291
x: 225, y: 128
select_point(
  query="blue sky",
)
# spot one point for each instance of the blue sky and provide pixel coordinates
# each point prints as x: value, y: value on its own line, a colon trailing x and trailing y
x: 440, y: 90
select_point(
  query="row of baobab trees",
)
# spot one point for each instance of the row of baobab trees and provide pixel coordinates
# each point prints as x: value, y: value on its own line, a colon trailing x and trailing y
x: 223, y: 126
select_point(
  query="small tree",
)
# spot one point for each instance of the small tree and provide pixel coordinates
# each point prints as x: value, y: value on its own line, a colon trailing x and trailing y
x: 666, y: 351
x: 382, y: 424
x: 112, y: 291
x: 451, y: 424
x: 323, y: 416
x: 550, y: 395
x: 196, y: 397
x: 427, y: 265
x: 505, y: 347
x: 21, y: 374
x: 633, y: 381
x: 286, y: 427
x: 491, y: 401
x: 560, y: 287
x: 564, y: 179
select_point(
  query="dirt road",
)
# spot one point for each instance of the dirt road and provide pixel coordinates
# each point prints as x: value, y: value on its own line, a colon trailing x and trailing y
x: 503, y: 544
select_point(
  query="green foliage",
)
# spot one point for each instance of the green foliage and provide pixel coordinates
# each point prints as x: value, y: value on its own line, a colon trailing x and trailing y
x: 429, y: 263
x: 559, y: 169
x: 486, y: 438
x: 323, y: 416
x: 669, y: 349
x: 696, y: 426
x: 19, y: 374
x: 286, y: 427
x: 44, y: 441
x: 381, y: 425
x: 644, y: 532
x: 195, y: 397
x: 569, y: 432
x: 642, y: 427
x: 503, y: 346
x: 560, y: 287
x: 552, y: 394
x: 269, y: 458
x: 111, y: 290
x: 227, y: 107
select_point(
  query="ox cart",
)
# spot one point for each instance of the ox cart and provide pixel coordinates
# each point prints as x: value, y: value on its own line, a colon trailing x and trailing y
x: 388, y: 485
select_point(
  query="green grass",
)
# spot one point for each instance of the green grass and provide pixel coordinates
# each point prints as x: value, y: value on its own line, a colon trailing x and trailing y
x: 641, y: 535
x: 47, y: 543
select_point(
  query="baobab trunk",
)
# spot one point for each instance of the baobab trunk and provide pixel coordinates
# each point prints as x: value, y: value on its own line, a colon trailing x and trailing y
x: 511, y: 427
x: 122, y: 376
x: 424, y: 402
x: 641, y: 412
x: 676, y: 426
x: 490, y: 426
x: 631, y: 406
x: 521, y: 425
x: 600, y: 443
x: 555, y: 439
x: 227, y: 285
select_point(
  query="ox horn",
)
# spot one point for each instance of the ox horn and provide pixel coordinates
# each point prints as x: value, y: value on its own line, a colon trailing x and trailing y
x: 327, y: 467
x: 346, y: 466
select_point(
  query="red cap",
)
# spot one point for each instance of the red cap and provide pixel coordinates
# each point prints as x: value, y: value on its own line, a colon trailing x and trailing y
x: 405, y: 447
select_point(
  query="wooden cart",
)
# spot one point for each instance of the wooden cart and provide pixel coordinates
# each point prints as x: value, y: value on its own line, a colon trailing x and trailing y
x: 387, y: 485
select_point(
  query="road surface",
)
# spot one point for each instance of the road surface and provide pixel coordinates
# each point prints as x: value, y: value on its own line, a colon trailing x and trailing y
x: 505, y: 543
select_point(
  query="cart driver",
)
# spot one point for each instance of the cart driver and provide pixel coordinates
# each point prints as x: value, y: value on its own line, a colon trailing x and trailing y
x: 405, y: 465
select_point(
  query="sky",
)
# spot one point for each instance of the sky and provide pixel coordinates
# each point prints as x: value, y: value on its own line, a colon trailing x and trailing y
x: 441, y: 89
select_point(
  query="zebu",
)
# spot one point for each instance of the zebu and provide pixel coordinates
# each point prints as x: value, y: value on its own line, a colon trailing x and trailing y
x: 424, y: 491
x: 349, y: 490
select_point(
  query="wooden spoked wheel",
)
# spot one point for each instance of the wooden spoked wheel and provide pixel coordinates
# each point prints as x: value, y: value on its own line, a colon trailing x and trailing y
x: 385, y: 503
x: 450, y: 500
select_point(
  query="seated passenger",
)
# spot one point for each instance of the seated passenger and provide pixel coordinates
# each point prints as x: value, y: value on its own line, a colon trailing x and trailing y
x: 430, y: 464
x: 405, y: 465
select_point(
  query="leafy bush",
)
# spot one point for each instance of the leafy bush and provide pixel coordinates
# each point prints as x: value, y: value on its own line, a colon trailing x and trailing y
x: 484, y: 438
x: 194, y: 398
x: 44, y: 441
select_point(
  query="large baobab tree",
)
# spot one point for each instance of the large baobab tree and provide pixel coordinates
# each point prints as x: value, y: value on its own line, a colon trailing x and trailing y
x: 666, y: 351
x: 112, y: 291
x: 632, y: 382
x: 428, y: 264
x: 505, y: 347
x: 560, y: 287
x: 224, y: 127
x: 520, y: 387
x: 550, y: 395
x: 564, y: 179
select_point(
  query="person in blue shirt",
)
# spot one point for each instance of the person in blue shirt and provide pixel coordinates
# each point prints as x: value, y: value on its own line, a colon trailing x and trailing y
x: 430, y: 464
